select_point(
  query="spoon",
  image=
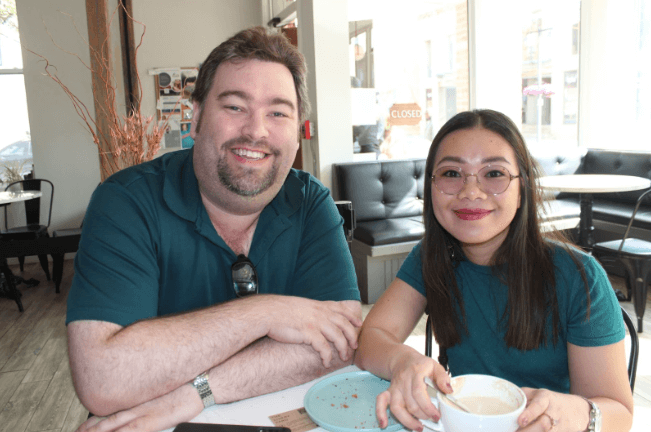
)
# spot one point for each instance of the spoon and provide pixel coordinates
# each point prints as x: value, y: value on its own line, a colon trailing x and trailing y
x: 451, y: 398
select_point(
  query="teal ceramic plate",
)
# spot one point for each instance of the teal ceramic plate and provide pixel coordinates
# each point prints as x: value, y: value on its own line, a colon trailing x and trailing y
x: 346, y: 403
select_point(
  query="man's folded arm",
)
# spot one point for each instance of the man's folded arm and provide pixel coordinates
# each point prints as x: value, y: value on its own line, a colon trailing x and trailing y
x: 115, y: 368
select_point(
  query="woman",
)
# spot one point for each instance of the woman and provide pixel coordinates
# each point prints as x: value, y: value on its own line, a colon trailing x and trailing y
x: 503, y: 300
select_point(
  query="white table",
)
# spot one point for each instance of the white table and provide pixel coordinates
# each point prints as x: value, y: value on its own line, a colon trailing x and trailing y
x: 12, y: 197
x: 256, y: 411
x: 586, y: 185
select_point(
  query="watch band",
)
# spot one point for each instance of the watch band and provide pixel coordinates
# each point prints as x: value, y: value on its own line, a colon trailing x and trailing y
x: 594, y: 425
x: 202, y: 386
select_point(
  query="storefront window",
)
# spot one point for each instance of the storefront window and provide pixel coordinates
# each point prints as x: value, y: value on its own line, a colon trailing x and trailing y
x: 642, y: 61
x: 15, y: 141
x: 550, y: 63
x: 408, y: 73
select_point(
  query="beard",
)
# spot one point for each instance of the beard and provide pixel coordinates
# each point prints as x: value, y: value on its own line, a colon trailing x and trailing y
x: 246, y: 182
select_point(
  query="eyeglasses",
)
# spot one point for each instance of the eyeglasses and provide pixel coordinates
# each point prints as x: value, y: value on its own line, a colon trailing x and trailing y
x: 491, y: 179
x: 245, y: 278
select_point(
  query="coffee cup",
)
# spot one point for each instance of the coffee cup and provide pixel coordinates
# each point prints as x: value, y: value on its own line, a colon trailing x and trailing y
x: 494, y: 404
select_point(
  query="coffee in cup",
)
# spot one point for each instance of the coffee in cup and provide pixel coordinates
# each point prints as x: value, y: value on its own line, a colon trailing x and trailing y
x: 494, y: 404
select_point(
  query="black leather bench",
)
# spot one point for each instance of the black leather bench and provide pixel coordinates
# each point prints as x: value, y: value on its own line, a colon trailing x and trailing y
x: 559, y: 214
x: 388, y: 200
x: 615, y: 209
x: 611, y: 212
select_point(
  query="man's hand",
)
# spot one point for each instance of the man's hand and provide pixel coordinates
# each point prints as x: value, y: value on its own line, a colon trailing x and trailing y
x: 181, y: 405
x: 317, y: 323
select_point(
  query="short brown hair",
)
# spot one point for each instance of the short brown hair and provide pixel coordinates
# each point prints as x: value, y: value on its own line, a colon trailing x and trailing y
x: 256, y: 44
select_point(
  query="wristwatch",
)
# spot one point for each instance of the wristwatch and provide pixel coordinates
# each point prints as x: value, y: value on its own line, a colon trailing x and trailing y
x: 595, y: 417
x: 201, y: 384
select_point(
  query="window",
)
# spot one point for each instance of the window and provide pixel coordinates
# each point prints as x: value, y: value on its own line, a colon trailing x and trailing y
x: 571, y: 98
x: 15, y: 143
x: 409, y: 73
x: 550, y: 63
x: 643, y: 74
x: 575, y: 39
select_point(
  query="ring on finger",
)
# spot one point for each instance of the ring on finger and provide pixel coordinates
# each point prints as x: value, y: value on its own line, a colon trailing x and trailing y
x: 551, y: 419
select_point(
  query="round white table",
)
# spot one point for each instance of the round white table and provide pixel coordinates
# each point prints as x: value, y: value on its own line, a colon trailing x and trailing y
x: 12, y: 197
x: 586, y: 185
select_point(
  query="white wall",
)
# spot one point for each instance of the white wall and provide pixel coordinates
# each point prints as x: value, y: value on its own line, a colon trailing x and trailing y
x: 176, y: 36
x: 183, y: 34
x: 63, y: 150
x: 323, y: 40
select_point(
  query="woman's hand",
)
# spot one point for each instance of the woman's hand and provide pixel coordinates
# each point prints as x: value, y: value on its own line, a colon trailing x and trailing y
x: 407, y: 397
x: 181, y: 405
x: 547, y: 410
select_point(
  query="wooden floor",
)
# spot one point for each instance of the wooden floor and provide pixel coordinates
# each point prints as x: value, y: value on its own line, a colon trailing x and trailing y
x: 36, y: 392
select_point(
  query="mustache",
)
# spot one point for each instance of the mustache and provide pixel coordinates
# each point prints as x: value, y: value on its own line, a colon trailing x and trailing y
x: 260, y: 145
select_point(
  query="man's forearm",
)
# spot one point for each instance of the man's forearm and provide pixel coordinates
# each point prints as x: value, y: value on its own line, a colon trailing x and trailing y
x: 267, y: 366
x: 151, y: 358
x: 125, y: 367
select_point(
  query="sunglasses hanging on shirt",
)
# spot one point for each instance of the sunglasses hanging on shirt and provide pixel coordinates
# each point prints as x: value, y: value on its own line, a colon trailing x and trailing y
x: 245, y: 278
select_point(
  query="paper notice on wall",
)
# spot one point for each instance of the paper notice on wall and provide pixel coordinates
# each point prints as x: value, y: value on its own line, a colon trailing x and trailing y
x: 169, y: 82
x: 174, y: 87
x: 172, y: 136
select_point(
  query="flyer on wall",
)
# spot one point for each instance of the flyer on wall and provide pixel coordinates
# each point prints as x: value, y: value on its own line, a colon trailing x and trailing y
x: 174, y: 87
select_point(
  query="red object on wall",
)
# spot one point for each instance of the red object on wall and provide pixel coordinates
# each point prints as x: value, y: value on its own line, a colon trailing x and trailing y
x: 306, y: 130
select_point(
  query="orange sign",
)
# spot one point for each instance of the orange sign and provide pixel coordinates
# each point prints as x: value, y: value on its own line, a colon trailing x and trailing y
x: 405, y: 114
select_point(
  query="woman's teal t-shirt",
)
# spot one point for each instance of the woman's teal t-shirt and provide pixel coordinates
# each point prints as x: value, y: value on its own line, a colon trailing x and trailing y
x: 484, y: 351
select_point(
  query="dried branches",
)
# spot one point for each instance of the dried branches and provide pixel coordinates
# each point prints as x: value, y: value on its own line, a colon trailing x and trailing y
x: 122, y: 140
x: 13, y: 171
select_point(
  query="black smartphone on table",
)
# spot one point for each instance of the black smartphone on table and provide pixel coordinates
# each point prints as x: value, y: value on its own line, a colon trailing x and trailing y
x: 210, y: 427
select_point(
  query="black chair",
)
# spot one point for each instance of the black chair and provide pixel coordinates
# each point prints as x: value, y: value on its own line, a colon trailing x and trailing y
x: 635, y: 256
x: 42, y: 245
x: 635, y: 348
x: 35, y: 226
x: 632, y: 359
x: 347, y: 211
x: 70, y: 237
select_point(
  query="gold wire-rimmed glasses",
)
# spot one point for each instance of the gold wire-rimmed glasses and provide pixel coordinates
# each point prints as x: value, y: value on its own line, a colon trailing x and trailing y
x: 491, y: 179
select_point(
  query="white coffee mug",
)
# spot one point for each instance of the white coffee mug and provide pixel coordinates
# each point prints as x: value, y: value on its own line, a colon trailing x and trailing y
x: 495, y: 405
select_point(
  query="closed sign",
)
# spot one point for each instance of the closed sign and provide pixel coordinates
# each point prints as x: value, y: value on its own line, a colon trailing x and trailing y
x: 405, y: 114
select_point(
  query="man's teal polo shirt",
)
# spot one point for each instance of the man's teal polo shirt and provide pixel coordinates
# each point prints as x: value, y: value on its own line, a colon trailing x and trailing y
x: 148, y: 247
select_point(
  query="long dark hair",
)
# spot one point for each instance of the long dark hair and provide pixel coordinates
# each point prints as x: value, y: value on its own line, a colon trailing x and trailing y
x: 524, y: 261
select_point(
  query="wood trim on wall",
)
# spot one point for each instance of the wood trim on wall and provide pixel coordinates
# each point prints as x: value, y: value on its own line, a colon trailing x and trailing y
x: 129, y: 68
x: 101, y: 67
x: 101, y: 63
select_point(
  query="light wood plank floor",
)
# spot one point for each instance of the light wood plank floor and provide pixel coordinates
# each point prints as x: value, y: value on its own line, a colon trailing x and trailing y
x: 36, y: 392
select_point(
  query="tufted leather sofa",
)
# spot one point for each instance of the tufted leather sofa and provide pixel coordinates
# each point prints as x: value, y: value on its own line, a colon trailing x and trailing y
x: 562, y: 214
x: 388, y: 200
x: 616, y: 208
x: 610, y: 210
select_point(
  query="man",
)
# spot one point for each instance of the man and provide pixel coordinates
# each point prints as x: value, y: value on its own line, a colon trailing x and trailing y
x: 154, y: 303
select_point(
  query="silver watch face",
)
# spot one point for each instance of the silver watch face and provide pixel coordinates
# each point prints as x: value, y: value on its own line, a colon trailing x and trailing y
x: 200, y: 381
x: 595, y: 417
x: 597, y: 420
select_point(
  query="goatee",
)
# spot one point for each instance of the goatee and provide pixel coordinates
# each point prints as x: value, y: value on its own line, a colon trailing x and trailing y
x: 247, y: 183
